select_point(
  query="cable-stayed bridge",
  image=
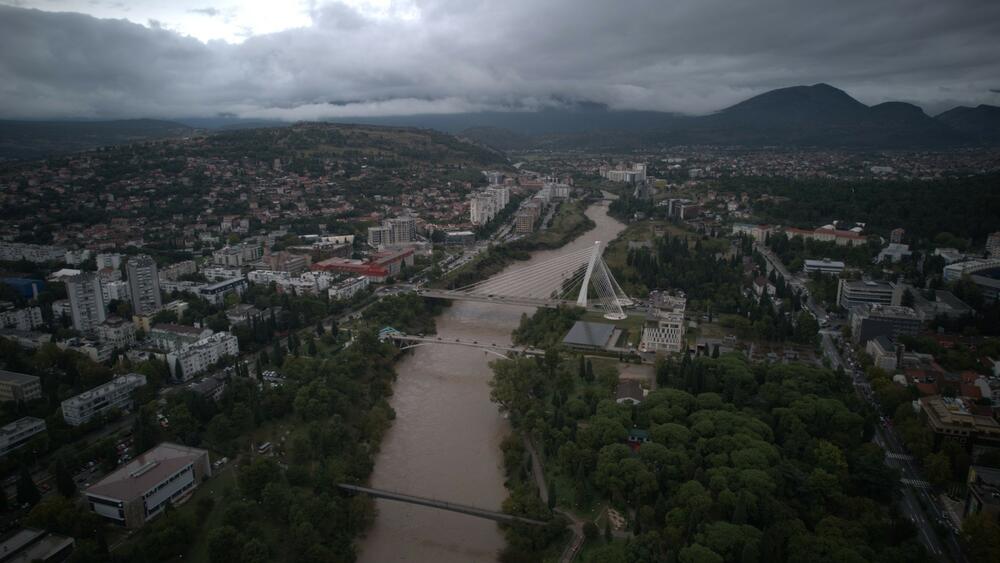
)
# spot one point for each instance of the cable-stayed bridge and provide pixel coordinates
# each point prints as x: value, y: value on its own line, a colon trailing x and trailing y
x: 579, y: 278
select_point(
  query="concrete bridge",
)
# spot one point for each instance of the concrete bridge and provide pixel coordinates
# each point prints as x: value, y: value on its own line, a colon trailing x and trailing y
x: 409, y: 341
x: 442, y: 505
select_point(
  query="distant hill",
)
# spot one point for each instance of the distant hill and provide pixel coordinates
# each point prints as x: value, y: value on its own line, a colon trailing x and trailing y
x: 25, y: 140
x: 981, y: 122
x: 818, y: 116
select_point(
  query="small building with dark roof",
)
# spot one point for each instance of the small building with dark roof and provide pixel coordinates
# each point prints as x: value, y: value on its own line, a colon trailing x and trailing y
x: 586, y: 336
x: 629, y: 391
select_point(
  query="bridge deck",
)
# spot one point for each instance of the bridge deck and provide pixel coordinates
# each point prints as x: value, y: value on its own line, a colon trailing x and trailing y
x: 472, y: 344
x: 502, y: 299
x: 460, y: 508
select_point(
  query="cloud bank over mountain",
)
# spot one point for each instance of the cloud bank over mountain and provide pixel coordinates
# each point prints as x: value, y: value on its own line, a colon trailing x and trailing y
x: 449, y: 56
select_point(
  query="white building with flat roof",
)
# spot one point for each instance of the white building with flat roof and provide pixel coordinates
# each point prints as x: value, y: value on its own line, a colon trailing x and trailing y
x: 348, y: 288
x: 140, y: 490
x: 19, y: 433
x: 116, y: 393
x: 824, y: 266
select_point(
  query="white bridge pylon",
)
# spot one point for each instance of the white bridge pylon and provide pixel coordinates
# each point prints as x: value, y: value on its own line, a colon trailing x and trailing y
x: 581, y: 276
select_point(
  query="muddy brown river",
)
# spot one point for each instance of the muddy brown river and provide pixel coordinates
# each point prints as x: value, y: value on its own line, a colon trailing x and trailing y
x: 445, y: 441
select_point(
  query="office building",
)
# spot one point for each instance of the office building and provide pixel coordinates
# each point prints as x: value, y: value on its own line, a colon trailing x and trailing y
x: 664, y: 330
x: 203, y: 354
x: 215, y: 293
x: 854, y: 293
x: 144, y: 285
x: 955, y: 271
x: 115, y: 394
x: 885, y: 355
x: 951, y: 418
x: 824, y: 266
x: 140, y: 490
x: 18, y: 433
x: 16, y: 386
x: 869, y: 321
x: 86, y: 301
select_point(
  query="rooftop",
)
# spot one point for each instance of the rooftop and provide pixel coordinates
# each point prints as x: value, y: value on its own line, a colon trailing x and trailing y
x: 15, y: 377
x: 178, y: 329
x: 586, y: 333
x: 145, y: 471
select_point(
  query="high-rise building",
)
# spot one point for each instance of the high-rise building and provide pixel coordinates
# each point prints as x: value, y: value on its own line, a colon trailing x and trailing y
x: 379, y: 236
x: 86, y: 301
x: 404, y: 229
x: 398, y: 230
x: 144, y: 285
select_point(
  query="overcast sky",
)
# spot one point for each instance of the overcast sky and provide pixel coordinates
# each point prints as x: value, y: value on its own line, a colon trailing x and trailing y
x: 313, y: 59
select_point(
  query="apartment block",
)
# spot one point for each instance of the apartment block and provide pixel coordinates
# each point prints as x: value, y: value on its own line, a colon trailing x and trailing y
x: 198, y: 357
x: 86, y: 301
x: 24, y: 319
x: 144, y: 285
x: 116, y: 393
x: 18, y: 433
x: 116, y: 332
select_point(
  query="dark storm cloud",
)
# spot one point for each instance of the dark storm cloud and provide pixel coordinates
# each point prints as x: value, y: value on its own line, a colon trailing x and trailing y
x: 460, y: 55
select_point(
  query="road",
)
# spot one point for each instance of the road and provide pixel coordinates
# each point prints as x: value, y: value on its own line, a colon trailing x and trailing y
x: 793, y: 281
x: 916, y: 499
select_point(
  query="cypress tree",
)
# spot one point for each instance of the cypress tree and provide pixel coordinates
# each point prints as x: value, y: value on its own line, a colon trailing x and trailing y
x: 27, y: 492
